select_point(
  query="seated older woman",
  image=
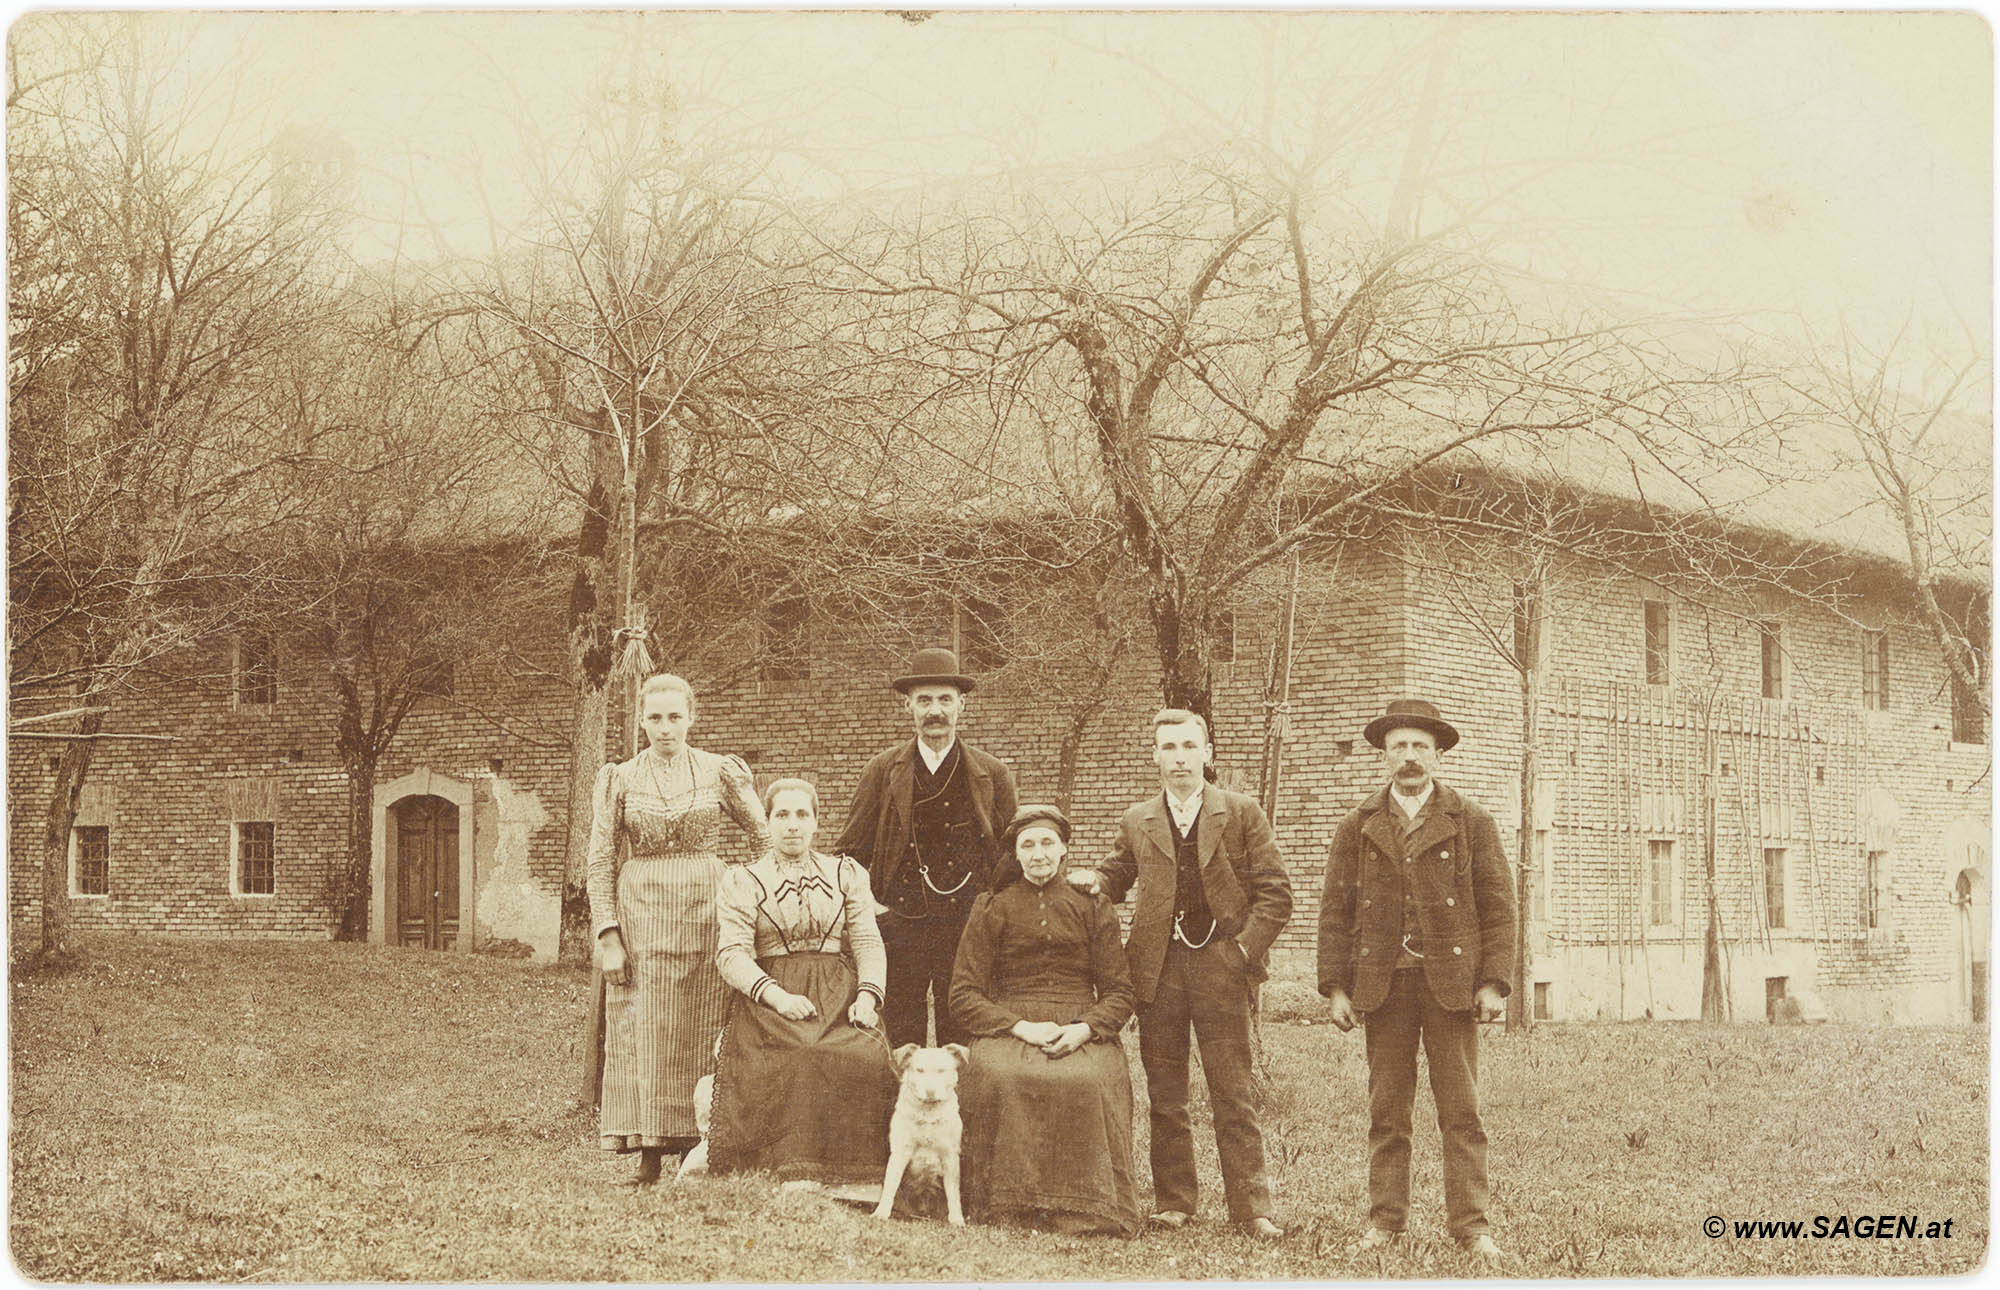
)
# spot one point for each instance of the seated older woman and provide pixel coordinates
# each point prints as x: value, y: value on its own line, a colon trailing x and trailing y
x: 1041, y: 983
x: 802, y: 1086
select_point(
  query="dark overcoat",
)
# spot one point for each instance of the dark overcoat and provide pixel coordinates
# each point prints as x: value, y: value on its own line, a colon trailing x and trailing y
x: 881, y: 825
x: 1458, y: 876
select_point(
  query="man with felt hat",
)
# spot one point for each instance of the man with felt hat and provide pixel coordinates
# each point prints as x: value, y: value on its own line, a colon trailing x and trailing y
x: 924, y: 822
x: 1416, y: 941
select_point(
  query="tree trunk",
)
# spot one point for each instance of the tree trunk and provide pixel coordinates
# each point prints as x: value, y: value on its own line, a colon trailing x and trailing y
x: 1714, y: 999
x: 1186, y: 674
x: 1278, y: 701
x: 592, y: 652
x: 354, y: 883
x: 72, y: 768
x: 587, y: 737
x: 1520, y: 1015
x: 1533, y: 595
x: 1072, y: 747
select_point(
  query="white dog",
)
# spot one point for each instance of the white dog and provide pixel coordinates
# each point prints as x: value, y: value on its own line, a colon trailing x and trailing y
x: 695, y: 1163
x: 925, y: 1130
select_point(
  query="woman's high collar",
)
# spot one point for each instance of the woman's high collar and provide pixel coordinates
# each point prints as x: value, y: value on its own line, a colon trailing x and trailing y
x: 784, y: 864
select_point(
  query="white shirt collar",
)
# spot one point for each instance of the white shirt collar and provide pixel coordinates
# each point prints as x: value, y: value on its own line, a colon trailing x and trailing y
x: 932, y: 760
x: 1186, y: 812
x: 1411, y: 805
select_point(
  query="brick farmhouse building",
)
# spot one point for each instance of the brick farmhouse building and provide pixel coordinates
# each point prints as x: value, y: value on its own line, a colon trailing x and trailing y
x: 1816, y: 754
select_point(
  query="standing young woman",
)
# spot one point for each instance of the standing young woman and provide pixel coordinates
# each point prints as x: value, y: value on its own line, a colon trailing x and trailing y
x: 654, y: 916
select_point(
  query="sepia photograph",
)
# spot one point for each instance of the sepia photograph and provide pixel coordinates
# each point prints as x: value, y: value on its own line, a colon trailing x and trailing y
x: 983, y: 646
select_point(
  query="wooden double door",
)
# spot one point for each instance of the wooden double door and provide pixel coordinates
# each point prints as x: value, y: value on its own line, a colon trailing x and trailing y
x: 426, y: 832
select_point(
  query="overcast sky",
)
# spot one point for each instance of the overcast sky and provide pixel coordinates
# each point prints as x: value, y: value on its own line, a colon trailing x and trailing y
x: 1837, y: 165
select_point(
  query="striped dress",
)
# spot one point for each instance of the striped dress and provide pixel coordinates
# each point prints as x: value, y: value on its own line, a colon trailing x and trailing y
x: 653, y: 875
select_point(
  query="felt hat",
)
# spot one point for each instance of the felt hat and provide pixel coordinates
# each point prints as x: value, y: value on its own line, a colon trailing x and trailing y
x: 1031, y: 814
x: 1417, y: 714
x: 933, y: 667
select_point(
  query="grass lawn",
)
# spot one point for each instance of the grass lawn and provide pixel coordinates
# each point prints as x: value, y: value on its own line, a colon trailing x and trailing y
x: 189, y: 1111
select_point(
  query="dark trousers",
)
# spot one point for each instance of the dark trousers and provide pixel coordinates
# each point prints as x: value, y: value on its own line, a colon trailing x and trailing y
x: 921, y: 952
x: 1451, y: 1050
x: 1203, y: 990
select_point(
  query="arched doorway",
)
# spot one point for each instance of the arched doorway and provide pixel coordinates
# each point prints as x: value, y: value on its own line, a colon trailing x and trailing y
x: 1967, y: 867
x: 425, y: 913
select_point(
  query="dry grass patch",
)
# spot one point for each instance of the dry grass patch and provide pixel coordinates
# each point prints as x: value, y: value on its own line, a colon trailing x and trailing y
x: 309, y: 1112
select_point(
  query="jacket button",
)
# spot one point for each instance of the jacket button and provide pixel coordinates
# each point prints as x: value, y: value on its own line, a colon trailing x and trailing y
x: 1450, y: 900
x: 1444, y: 855
x: 1456, y: 950
x: 1364, y: 951
x: 1366, y: 903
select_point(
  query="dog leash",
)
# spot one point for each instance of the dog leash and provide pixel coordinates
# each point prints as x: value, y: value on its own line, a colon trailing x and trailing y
x: 881, y: 1038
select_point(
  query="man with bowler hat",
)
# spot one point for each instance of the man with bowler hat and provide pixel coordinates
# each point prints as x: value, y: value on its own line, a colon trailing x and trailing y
x: 1416, y: 941
x: 923, y: 824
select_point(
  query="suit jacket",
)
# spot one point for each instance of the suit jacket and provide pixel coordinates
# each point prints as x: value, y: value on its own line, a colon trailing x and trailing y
x: 881, y: 825
x: 1241, y: 874
x: 1458, y: 876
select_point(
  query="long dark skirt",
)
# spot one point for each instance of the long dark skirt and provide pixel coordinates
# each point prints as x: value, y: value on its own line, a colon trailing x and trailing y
x: 1048, y: 1141
x: 805, y: 1099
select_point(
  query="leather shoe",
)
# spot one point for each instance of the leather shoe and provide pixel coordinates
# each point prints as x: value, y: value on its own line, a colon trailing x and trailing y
x: 1483, y: 1247
x: 1375, y: 1238
x: 1172, y: 1218
x: 1264, y: 1229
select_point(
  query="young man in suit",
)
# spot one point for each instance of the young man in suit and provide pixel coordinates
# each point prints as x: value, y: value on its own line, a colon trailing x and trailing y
x: 1212, y: 896
x: 1416, y: 940
x: 924, y: 820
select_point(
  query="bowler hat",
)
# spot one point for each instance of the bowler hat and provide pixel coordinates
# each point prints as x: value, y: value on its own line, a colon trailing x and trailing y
x: 1417, y: 714
x: 933, y: 667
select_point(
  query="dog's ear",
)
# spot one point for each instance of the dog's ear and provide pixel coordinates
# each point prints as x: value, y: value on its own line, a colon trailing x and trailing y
x: 901, y: 1057
x: 959, y: 1053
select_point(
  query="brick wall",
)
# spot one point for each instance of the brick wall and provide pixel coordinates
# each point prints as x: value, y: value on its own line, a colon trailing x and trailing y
x: 170, y: 805
x: 1623, y: 764
x: 1626, y: 764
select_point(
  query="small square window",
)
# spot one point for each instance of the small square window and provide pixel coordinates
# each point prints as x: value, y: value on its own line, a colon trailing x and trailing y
x: 1875, y: 891
x: 256, y: 858
x: 433, y: 677
x: 1771, y: 649
x: 1660, y: 881
x: 1542, y: 1011
x: 786, y: 640
x: 1774, y: 888
x: 91, y: 845
x: 976, y: 639
x: 1875, y: 671
x: 256, y: 671
x: 1658, y: 642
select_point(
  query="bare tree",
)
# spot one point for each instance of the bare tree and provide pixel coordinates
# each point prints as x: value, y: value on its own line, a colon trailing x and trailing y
x: 660, y: 344
x: 417, y: 556
x: 1245, y: 362
x: 1919, y: 425
x: 159, y: 281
